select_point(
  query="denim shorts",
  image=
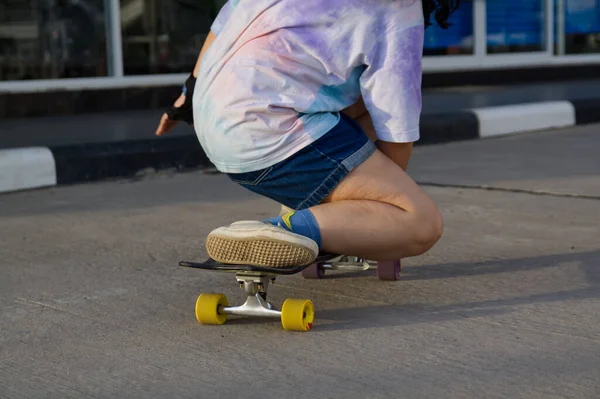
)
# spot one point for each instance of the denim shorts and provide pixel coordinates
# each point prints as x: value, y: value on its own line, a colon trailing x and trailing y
x: 306, y: 178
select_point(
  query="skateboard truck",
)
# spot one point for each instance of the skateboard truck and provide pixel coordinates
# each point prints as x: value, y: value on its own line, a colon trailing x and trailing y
x: 349, y: 263
x: 255, y: 288
x: 386, y: 270
x: 295, y: 314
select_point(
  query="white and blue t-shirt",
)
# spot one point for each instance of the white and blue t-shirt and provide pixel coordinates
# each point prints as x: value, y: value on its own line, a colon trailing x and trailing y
x: 279, y: 72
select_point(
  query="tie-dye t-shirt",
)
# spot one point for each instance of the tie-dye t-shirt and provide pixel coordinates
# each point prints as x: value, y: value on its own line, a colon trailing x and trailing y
x: 279, y: 72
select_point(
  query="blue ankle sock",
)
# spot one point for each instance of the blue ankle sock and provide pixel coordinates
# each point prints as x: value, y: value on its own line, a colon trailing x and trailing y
x: 300, y: 222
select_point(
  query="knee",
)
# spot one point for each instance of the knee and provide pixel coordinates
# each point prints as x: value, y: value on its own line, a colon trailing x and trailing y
x: 428, y: 227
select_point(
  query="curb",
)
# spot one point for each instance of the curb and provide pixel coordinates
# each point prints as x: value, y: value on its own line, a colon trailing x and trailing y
x: 23, y: 168
x: 35, y: 167
x: 479, y: 123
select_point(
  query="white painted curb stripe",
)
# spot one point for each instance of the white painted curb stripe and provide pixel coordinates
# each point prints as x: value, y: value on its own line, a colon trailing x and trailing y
x: 25, y: 168
x: 508, y: 119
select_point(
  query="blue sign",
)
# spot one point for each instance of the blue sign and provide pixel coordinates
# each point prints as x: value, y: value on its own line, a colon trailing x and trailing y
x: 582, y: 16
x: 459, y: 34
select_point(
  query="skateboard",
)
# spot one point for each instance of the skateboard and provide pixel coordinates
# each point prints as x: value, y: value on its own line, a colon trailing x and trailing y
x: 386, y: 270
x: 295, y: 314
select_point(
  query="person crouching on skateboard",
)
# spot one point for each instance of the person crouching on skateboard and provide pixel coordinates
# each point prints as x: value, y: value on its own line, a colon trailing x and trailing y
x: 288, y: 95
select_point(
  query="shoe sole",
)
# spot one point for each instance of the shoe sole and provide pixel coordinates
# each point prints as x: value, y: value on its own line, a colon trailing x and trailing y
x: 264, y: 252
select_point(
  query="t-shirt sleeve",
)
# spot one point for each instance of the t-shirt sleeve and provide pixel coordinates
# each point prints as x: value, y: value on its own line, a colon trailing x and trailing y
x: 391, y: 84
x: 223, y: 16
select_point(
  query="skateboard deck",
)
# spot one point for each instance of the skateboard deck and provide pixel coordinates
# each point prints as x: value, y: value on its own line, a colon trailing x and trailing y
x: 211, y: 264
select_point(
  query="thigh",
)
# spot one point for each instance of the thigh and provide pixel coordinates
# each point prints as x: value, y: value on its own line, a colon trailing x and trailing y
x: 380, y: 179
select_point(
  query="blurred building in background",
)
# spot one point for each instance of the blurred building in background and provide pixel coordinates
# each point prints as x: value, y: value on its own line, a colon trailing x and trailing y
x: 44, y: 44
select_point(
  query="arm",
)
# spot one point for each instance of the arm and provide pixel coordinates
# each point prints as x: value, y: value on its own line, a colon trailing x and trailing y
x: 391, y: 89
x: 209, y: 40
x: 400, y: 153
x: 183, y: 104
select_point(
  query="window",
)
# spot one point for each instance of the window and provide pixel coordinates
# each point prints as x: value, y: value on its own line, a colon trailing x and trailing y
x: 49, y: 39
x: 515, y: 26
x: 164, y: 36
x: 457, y: 39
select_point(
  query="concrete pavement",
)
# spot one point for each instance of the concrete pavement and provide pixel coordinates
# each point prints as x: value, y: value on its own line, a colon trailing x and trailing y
x: 562, y: 162
x: 505, y: 306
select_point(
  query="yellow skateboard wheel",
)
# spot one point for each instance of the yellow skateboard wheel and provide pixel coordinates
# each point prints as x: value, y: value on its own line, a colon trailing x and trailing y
x: 208, y: 309
x: 297, y: 314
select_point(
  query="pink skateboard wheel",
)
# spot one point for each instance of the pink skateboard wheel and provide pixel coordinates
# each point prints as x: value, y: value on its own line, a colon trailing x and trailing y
x: 315, y: 271
x: 388, y: 270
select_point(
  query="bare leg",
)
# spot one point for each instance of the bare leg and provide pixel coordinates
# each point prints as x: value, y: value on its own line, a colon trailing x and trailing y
x: 378, y: 212
x: 377, y: 215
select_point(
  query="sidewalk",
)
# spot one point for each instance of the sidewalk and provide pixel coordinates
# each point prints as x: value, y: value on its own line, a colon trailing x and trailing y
x: 106, y: 145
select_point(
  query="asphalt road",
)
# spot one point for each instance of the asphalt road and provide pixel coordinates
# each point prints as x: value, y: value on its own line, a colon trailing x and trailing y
x: 507, y: 305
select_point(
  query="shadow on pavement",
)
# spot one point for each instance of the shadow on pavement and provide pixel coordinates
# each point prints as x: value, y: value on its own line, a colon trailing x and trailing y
x: 398, y: 315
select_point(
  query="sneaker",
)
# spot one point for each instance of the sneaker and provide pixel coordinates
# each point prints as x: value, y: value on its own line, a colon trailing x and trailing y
x: 260, y: 244
x: 285, y: 210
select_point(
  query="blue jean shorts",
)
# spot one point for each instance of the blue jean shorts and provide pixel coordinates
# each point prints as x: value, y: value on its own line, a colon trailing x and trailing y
x: 306, y: 178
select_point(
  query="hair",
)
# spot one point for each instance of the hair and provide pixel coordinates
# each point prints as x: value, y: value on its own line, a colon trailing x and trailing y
x: 441, y: 9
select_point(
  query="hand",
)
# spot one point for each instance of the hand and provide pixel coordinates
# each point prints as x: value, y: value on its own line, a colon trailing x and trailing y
x: 181, y: 110
x: 166, y: 123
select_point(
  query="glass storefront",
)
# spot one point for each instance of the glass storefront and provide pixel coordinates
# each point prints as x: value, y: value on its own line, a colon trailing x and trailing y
x: 53, y: 39
x: 50, y: 39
